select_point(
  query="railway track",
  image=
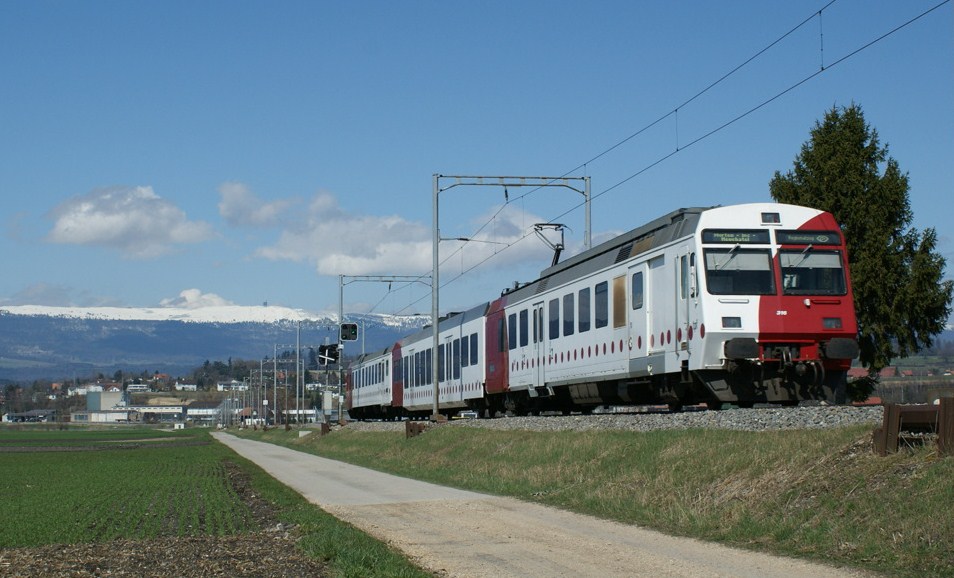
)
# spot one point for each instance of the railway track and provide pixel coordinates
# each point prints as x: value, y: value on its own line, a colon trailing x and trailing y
x: 646, y: 419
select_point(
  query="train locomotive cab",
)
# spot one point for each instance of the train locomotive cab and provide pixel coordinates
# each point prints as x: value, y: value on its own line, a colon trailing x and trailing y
x: 779, y: 320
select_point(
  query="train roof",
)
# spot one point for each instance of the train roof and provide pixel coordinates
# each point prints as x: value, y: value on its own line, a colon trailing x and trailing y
x: 450, y: 320
x: 361, y: 358
x: 649, y: 236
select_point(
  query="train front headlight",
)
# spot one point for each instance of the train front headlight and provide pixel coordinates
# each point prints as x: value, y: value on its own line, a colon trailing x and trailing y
x: 831, y: 323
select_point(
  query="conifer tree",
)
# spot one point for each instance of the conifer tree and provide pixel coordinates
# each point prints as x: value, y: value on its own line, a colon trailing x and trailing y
x: 901, y: 299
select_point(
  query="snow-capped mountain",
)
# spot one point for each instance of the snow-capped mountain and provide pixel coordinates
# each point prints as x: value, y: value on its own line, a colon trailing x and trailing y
x: 211, y: 314
x: 39, y: 342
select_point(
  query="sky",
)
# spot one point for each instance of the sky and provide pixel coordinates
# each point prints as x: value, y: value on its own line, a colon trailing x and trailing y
x: 183, y: 153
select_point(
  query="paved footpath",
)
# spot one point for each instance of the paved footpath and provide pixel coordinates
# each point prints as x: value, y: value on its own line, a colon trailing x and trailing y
x: 456, y: 533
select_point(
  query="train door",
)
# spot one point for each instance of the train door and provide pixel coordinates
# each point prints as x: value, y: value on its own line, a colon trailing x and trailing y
x: 638, y: 320
x: 659, y: 287
x: 539, y: 346
x: 685, y: 298
x: 496, y: 357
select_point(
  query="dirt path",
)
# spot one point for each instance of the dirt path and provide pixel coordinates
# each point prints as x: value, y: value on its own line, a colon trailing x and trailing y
x: 462, y: 534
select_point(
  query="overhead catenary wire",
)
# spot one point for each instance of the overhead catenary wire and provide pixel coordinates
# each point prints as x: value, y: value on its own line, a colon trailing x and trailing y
x: 660, y: 119
x: 678, y: 149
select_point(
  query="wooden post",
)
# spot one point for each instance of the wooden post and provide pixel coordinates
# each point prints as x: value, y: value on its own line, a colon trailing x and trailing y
x: 945, y: 427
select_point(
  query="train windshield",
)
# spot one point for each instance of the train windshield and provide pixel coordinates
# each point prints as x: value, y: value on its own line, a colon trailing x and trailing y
x: 738, y: 271
x: 809, y: 272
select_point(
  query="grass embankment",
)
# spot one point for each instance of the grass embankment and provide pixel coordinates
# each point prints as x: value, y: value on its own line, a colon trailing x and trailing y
x: 141, y: 484
x: 818, y: 494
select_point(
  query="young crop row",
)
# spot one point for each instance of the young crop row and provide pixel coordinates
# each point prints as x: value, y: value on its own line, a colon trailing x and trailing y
x: 77, y: 437
x: 68, y: 497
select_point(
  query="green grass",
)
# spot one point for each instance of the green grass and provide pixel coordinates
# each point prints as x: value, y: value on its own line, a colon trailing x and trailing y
x: 127, y: 483
x: 816, y: 494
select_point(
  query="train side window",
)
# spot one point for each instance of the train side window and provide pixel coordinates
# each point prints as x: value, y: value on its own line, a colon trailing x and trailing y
x: 448, y: 361
x: 417, y: 369
x: 464, y: 351
x: 473, y: 349
x: 440, y: 362
x: 422, y: 371
x: 583, y: 300
x: 524, y: 328
x: 601, y: 298
x: 457, y: 359
x: 619, y: 301
x: 638, y: 290
x: 421, y: 368
x: 536, y: 325
x: 684, y: 276
x: 554, y: 308
x: 512, y: 331
x: 569, y: 317
x: 422, y: 377
x: 693, y: 278
x: 539, y: 330
x: 428, y: 367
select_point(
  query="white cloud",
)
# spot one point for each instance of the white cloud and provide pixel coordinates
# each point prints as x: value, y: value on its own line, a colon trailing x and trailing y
x: 340, y: 243
x: 195, y: 299
x: 240, y: 207
x: 133, y: 220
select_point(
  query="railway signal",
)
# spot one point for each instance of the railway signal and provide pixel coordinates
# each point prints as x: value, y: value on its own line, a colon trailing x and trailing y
x: 328, y: 354
x: 349, y: 331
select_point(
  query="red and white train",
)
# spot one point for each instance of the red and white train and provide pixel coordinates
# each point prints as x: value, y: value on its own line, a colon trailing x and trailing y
x: 739, y: 304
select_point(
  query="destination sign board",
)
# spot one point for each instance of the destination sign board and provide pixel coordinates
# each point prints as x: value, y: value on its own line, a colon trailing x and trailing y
x: 735, y: 236
x: 807, y: 238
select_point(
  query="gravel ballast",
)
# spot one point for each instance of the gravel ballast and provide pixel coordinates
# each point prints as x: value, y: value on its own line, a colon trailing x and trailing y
x: 753, y: 419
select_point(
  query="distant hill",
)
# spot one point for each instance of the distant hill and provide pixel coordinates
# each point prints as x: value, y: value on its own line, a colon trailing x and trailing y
x: 57, y: 343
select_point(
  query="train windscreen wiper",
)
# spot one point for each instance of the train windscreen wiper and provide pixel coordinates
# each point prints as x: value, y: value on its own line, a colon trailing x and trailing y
x: 729, y: 256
